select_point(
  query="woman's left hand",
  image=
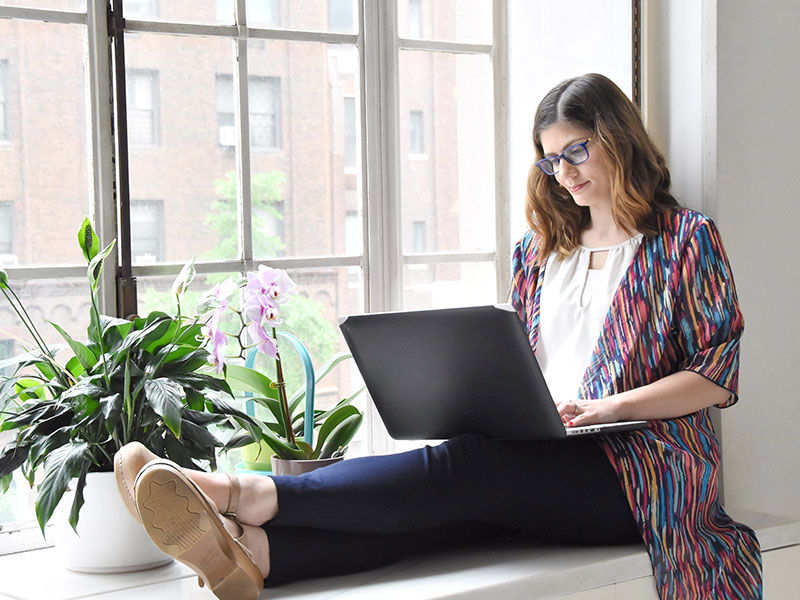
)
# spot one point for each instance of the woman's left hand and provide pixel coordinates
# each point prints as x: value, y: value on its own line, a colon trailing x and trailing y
x: 576, y: 413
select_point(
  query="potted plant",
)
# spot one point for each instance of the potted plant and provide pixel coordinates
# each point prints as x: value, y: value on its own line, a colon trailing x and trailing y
x: 145, y: 379
x: 291, y: 420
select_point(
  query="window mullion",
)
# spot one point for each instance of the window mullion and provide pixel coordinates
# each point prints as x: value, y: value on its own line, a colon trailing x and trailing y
x: 242, y: 121
x: 99, y: 116
x: 500, y: 68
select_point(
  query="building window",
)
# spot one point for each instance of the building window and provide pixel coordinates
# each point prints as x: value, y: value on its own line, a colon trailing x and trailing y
x: 6, y: 229
x: 265, y: 112
x: 139, y: 9
x: 420, y: 243
x: 417, y: 132
x: 414, y: 18
x: 260, y: 13
x: 6, y: 351
x: 350, y: 133
x: 142, y: 99
x: 4, y: 100
x: 340, y: 16
x: 147, y: 231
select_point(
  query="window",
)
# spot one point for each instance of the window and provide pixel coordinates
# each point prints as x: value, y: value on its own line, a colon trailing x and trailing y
x: 147, y: 231
x: 142, y: 100
x: 350, y: 134
x: 415, y: 18
x: 358, y: 231
x: 416, y: 130
x: 265, y: 112
x: 340, y: 15
x: 6, y: 231
x: 4, y: 135
x: 140, y: 9
x: 6, y: 351
x: 420, y: 236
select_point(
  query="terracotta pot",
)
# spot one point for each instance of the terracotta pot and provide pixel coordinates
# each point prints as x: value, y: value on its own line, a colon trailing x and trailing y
x: 109, y: 540
x: 282, y: 466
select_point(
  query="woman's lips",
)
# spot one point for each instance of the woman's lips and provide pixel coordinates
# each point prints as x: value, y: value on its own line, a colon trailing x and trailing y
x: 577, y: 188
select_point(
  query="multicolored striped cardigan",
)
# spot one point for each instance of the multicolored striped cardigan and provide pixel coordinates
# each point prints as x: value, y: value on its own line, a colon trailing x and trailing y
x: 675, y: 309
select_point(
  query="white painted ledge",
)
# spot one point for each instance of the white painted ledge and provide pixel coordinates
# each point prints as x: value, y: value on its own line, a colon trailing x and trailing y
x: 494, y: 572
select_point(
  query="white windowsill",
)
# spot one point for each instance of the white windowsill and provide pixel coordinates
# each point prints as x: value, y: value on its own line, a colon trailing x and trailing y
x: 499, y: 571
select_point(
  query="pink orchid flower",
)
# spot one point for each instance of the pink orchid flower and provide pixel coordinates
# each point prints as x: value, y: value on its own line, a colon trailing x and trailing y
x: 219, y: 341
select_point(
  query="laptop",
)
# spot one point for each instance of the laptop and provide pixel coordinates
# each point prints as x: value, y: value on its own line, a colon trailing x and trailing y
x: 435, y: 374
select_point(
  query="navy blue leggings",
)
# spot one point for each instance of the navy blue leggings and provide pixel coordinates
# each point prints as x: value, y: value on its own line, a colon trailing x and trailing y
x: 367, y: 512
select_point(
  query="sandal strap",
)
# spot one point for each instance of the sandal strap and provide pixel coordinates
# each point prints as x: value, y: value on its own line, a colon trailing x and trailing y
x: 235, y: 490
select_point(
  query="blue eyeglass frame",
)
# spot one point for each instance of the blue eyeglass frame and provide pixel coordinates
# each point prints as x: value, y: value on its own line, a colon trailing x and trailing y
x: 546, y: 159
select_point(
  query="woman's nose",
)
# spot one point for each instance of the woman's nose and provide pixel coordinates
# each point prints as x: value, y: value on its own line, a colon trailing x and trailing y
x: 565, y: 169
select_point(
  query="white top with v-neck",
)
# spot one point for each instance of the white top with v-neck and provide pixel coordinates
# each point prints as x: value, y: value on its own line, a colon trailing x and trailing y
x: 573, y: 306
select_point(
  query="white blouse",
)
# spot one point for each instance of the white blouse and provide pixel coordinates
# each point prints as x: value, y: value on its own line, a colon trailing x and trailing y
x: 574, y: 304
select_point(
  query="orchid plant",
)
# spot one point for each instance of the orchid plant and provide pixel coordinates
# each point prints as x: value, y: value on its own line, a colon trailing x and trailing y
x: 263, y: 295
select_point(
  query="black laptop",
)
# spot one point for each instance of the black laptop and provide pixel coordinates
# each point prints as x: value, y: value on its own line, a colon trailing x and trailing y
x: 435, y: 374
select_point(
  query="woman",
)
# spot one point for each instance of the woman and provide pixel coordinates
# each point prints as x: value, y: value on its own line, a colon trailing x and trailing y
x: 629, y: 303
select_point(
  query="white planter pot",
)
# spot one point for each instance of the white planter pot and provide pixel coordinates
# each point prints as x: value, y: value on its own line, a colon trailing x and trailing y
x: 109, y: 540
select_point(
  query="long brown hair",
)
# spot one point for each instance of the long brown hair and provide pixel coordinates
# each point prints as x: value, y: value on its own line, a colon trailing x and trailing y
x: 640, y: 179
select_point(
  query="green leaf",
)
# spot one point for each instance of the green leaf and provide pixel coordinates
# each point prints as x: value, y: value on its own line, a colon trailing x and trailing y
x: 77, y: 501
x: 75, y: 367
x: 194, y: 399
x: 45, y: 444
x: 341, y: 435
x: 5, y: 483
x: 12, y: 457
x: 30, y: 388
x: 112, y: 409
x: 248, y: 380
x: 83, y: 354
x: 63, y: 464
x: 166, y: 398
x: 331, y: 423
x: 88, y: 240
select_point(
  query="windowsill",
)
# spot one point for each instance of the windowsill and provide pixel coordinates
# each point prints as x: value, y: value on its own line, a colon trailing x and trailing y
x: 492, y: 572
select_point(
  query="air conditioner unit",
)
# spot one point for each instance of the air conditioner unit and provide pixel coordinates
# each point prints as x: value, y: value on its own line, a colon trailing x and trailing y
x: 9, y: 260
x: 227, y: 136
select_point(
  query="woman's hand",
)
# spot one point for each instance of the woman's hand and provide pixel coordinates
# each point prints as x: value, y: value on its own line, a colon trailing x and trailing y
x: 576, y: 413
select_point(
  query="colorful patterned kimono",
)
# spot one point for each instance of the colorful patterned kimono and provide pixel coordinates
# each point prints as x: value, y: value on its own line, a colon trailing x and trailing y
x: 675, y: 309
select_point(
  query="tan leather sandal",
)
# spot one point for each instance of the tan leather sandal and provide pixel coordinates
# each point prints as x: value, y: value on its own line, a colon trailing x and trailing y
x: 128, y: 461
x: 185, y: 524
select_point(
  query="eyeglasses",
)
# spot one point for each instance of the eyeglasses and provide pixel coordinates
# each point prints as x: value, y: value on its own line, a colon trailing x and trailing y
x: 574, y: 155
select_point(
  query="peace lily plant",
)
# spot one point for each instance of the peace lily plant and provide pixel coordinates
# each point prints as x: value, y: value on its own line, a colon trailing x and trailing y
x: 152, y: 380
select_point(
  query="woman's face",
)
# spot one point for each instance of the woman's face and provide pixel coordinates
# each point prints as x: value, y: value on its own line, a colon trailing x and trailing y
x: 589, y: 183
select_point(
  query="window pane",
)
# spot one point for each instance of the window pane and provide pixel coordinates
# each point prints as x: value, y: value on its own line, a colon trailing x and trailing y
x: 44, y: 170
x: 449, y: 285
x: 142, y: 104
x: 147, y: 231
x: 71, y: 5
x: 7, y: 235
x: 190, y: 169
x: 4, y: 94
x: 599, y: 35
x: 447, y: 151
x: 140, y: 9
x: 305, y: 169
x: 467, y: 21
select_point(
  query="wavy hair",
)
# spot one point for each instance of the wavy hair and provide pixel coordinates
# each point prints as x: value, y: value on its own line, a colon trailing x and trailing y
x: 640, y: 179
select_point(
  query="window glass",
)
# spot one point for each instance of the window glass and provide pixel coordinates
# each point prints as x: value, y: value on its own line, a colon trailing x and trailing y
x: 599, y: 35
x: 140, y: 9
x: 7, y: 234
x: 420, y: 231
x: 260, y: 13
x: 448, y: 285
x: 147, y: 231
x: 142, y: 104
x: 340, y: 15
x: 70, y: 5
x: 49, y: 203
x: 4, y: 134
x: 192, y: 169
x: 447, y: 158
x: 309, y: 180
x: 466, y: 21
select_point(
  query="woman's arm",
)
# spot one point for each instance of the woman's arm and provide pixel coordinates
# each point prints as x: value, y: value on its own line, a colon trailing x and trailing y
x: 675, y: 395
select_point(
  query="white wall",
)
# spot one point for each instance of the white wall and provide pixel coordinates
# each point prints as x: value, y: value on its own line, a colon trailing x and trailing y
x: 757, y: 207
x: 721, y: 91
